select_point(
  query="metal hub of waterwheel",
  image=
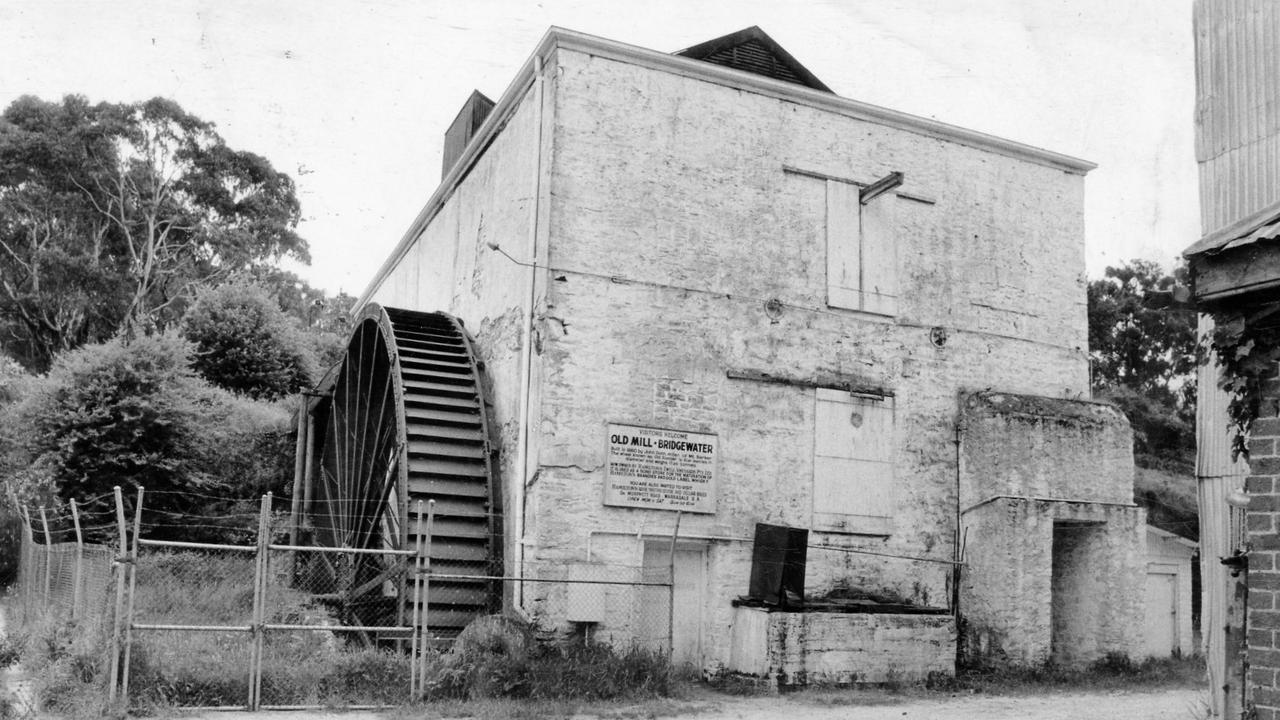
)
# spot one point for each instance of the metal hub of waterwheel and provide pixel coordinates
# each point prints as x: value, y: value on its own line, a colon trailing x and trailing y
x: 401, y: 420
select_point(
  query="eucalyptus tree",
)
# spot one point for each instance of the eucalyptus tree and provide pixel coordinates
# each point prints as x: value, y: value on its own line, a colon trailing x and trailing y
x: 111, y: 216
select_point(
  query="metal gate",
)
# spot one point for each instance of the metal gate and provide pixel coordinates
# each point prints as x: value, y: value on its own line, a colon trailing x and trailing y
x: 265, y: 625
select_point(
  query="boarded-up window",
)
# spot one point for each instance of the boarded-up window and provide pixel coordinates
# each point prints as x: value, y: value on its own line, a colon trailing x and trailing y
x: 862, y: 255
x: 853, y: 488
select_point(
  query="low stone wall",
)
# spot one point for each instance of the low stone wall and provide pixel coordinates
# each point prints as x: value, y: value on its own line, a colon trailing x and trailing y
x: 792, y: 649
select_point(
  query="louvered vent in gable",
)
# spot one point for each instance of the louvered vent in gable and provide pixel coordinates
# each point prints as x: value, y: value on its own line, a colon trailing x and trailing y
x: 754, y: 57
x: 752, y: 50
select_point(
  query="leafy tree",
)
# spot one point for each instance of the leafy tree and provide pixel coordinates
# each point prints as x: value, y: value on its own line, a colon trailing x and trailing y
x: 246, y: 344
x: 60, y: 284
x: 112, y: 214
x: 136, y: 414
x: 1142, y: 349
x: 115, y: 414
x: 1135, y: 339
x: 325, y: 319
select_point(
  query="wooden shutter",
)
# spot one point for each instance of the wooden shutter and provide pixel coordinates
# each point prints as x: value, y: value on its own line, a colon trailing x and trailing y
x: 853, y: 474
x: 862, y: 255
x: 879, y: 257
x: 844, y: 255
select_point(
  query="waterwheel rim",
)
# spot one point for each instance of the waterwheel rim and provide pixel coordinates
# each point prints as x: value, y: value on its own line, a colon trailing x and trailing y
x: 403, y: 421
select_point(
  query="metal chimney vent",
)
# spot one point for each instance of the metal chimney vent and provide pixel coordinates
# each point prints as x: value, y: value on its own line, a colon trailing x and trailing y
x: 464, y: 127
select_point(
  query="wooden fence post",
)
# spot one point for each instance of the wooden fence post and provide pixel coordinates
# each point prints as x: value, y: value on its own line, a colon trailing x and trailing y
x: 133, y: 585
x: 120, y: 567
x: 78, y: 576
x: 48, y: 558
x: 259, y: 603
x: 28, y: 560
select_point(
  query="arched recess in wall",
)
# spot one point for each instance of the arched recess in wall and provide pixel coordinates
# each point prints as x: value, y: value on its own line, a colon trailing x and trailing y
x: 402, y: 420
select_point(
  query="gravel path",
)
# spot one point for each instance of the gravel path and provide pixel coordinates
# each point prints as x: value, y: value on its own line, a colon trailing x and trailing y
x: 1179, y: 704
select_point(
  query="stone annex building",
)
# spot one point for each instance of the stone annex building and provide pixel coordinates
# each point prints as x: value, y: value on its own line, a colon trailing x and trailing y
x: 703, y: 292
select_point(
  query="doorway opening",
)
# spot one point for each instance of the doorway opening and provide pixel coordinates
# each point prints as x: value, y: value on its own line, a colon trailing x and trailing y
x: 1076, y: 591
x: 684, y: 603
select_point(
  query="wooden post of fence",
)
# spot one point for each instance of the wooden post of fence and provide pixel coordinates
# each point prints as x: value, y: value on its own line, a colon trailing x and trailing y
x: 119, y: 566
x: 426, y: 589
x: 259, y: 603
x: 78, y: 576
x: 133, y: 585
x: 671, y: 587
x: 417, y: 616
x: 48, y: 558
x: 28, y: 559
x: 299, y: 470
x: 308, y: 466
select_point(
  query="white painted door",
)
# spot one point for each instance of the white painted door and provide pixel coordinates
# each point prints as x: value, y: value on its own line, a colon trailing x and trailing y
x: 688, y: 596
x: 1162, y: 614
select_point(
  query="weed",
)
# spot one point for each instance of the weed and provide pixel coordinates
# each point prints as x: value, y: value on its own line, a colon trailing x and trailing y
x: 11, y: 648
x: 1114, y: 671
x: 66, y: 661
x: 498, y: 657
x: 10, y: 708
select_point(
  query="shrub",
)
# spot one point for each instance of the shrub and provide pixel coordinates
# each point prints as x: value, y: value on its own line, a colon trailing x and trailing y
x: 137, y: 415
x: 11, y: 646
x: 246, y: 344
x: 498, y: 657
x: 10, y: 542
x: 116, y: 414
x: 247, y: 448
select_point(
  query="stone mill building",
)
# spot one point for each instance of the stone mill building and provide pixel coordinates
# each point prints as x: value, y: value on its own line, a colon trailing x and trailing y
x: 705, y: 293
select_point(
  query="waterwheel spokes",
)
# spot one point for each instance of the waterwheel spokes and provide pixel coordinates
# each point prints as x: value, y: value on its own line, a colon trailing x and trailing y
x: 406, y: 424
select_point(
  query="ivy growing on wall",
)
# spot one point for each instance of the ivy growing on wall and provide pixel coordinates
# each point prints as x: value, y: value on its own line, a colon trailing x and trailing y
x: 1247, y: 346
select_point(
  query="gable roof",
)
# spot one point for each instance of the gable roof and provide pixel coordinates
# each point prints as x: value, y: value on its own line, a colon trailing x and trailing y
x: 752, y: 50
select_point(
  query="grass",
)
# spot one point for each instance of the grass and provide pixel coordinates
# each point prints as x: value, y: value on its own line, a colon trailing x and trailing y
x: 1113, y: 672
x: 306, y: 667
x: 527, y: 709
x: 67, y: 663
x: 498, y: 657
x: 11, y: 646
x: 497, y: 668
x: 495, y: 658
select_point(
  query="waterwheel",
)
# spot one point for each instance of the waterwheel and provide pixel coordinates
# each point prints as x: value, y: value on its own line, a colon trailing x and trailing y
x: 402, y: 419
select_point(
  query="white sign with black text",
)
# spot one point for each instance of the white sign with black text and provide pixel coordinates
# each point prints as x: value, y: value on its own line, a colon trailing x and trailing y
x: 660, y: 469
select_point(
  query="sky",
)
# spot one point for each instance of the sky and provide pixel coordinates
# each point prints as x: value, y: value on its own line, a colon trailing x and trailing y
x: 352, y: 98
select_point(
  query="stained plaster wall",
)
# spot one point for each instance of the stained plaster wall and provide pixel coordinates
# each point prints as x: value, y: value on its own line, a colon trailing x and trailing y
x: 1045, y: 447
x: 1058, y: 570
x: 673, y: 219
x: 841, y: 648
x: 449, y: 267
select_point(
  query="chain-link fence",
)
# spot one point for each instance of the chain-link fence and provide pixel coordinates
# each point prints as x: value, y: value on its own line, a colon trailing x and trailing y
x: 58, y: 578
x: 266, y: 620
x: 565, y: 591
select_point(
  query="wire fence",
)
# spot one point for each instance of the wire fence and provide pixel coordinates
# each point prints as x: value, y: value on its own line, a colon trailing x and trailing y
x: 256, y: 615
x: 66, y: 580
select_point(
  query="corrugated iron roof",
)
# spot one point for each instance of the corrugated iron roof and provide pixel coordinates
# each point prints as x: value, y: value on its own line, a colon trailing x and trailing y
x: 1260, y: 226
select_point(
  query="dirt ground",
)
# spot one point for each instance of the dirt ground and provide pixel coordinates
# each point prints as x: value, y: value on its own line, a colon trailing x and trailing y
x: 1177, y: 704
x: 1180, y: 704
